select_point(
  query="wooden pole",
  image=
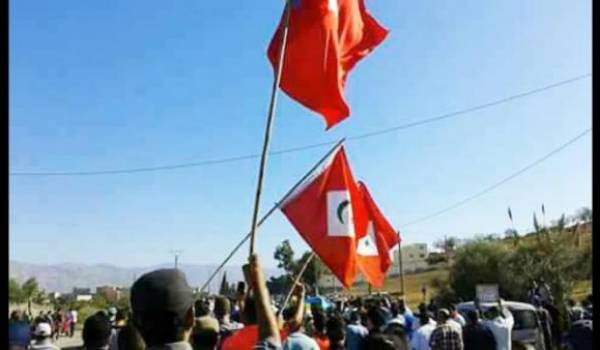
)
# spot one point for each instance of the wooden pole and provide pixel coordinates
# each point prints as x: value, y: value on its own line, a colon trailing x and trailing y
x: 269, y: 127
x: 272, y: 210
x: 296, y: 280
x: 400, y: 267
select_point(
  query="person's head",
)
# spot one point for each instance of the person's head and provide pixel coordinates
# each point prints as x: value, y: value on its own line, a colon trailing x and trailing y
x: 96, y: 331
x: 424, y: 317
x: 121, y: 315
x: 222, y: 307
x: 473, y: 316
x: 288, y: 316
x: 16, y: 315
x: 394, y: 309
x: 249, y: 316
x: 335, y: 329
x: 452, y: 310
x: 162, y: 304
x: 443, y: 315
x: 493, y: 312
x: 422, y: 308
x: 201, y: 308
x: 129, y: 338
x: 354, y: 317
x: 42, y: 331
x: 401, y: 306
x: 570, y: 302
x: 319, y: 321
x: 375, y: 318
x: 205, y: 335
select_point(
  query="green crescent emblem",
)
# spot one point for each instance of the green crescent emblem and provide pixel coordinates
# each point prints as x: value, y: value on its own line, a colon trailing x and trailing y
x: 340, y: 209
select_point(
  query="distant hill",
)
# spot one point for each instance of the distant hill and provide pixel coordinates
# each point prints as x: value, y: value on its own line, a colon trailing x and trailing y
x: 63, y: 277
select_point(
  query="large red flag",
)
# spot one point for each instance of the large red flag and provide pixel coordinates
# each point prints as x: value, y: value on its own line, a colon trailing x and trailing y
x: 373, y: 250
x: 326, y: 38
x: 329, y: 214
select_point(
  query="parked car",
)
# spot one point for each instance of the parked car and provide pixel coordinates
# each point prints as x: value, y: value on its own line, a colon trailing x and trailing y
x: 527, y: 326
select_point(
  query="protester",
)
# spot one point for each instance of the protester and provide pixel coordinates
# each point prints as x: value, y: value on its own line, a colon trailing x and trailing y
x: 421, y: 337
x: 162, y: 304
x: 19, y: 333
x: 118, y: 325
x: 445, y: 336
x: 222, y: 313
x: 409, y: 318
x: 397, y: 317
x: 206, y: 333
x: 375, y: 324
x: 268, y: 329
x: 320, y: 334
x: 336, y: 332
x: 293, y: 316
x: 73, y: 314
x: 475, y: 335
x: 130, y: 339
x: 456, y: 316
x: 574, y: 311
x: 43, y: 336
x: 545, y: 322
x: 247, y: 337
x: 580, y: 335
x: 355, y: 331
x: 57, y: 319
x: 96, y: 332
x: 500, y: 323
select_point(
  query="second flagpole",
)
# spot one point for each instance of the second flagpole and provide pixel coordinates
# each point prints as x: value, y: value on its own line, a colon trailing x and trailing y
x: 269, y: 126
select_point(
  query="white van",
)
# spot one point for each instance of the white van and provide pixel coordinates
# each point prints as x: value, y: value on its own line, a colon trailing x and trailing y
x: 526, y: 328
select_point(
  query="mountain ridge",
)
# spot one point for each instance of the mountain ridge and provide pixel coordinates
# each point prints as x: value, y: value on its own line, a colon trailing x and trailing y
x: 63, y: 277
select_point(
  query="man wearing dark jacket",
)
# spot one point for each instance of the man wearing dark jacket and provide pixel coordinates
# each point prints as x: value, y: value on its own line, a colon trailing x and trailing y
x: 475, y: 335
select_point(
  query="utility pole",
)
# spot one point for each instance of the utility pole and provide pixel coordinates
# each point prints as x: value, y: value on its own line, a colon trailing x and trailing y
x: 176, y: 253
x: 400, y: 268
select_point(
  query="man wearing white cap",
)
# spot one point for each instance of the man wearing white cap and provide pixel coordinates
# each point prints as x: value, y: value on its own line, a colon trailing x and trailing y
x: 42, y: 336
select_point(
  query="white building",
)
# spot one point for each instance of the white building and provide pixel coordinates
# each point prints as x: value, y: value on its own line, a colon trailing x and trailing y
x: 413, y: 259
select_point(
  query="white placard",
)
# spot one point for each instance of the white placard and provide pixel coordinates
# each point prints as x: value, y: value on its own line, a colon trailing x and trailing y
x: 487, y: 293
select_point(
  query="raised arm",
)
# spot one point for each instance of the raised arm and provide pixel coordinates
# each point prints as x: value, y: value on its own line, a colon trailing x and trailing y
x: 299, y: 292
x: 267, y: 323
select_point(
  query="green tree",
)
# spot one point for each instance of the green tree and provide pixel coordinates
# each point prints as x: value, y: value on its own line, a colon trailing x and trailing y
x: 40, y: 298
x: 224, y: 289
x: 313, y: 272
x: 30, y: 289
x: 15, y: 294
x: 277, y: 285
x: 478, y: 262
x: 584, y: 214
x: 284, y: 254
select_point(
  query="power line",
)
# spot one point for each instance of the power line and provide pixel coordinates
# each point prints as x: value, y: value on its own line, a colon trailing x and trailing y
x: 501, y: 182
x: 311, y: 146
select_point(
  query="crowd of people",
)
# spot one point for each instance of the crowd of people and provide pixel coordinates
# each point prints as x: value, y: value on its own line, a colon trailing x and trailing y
x: 165, y: 315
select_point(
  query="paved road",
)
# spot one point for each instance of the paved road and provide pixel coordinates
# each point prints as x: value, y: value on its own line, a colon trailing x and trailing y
x: 67, y: 342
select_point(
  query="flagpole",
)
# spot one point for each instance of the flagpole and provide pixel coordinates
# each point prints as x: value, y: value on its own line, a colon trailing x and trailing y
x: 269, y: 127
x: 515, y: 235
x: 400, y: 267
x: 272, y: 210
x: 296, y: 280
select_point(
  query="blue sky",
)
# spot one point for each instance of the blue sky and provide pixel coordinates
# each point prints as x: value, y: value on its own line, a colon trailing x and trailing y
x: 125, y: 84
